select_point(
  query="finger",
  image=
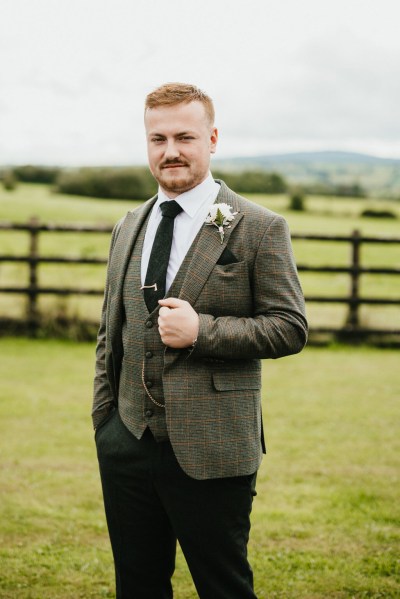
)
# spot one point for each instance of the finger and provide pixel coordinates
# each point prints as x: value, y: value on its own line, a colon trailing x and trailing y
x: 171, y: 302
x: 163, y: 311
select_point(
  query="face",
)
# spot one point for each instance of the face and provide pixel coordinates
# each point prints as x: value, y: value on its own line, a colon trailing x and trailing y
x: 180, y: 140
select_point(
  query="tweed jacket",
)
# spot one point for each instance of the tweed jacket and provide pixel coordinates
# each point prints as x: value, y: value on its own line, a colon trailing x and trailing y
x: 250, y: 305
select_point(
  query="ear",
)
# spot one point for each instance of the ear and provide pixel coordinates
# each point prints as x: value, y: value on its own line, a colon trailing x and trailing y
x: 213, y: 140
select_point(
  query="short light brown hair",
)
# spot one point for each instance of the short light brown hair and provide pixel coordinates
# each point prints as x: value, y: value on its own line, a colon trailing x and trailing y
x: 171, y: 94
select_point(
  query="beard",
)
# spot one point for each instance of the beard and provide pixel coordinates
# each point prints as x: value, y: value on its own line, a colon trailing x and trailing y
x: 178, y: 180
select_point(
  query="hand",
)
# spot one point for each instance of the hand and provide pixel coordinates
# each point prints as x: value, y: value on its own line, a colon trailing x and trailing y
x: 178, y: 323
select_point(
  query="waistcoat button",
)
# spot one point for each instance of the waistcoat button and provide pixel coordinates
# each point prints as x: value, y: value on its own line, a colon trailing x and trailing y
x: 149, y: 354
x: 149, y: 384
x: 148, y: 413
x: 149, y: 324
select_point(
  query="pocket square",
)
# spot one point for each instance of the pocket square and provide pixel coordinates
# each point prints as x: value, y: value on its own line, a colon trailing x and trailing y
x: 227, y: 257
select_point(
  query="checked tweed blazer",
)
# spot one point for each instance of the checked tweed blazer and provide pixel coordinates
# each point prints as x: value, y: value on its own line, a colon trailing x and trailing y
x: 250, y: 305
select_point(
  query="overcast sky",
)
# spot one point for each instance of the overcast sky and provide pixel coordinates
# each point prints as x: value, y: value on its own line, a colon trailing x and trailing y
x: 285, y: 75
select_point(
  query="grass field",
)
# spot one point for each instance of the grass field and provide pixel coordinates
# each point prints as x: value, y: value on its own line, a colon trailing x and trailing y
x: 323, y: 215
x: 326, y: 518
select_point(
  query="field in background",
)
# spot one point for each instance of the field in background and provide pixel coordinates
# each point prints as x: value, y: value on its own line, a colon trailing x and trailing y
x: 326, y: 518
x: 323, y: 215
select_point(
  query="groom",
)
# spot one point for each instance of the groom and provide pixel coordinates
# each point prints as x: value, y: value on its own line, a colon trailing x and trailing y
x: 190, y: 309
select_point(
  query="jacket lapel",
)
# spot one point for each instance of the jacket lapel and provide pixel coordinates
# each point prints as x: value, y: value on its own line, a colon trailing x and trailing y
x: 124, y: 244
x: 207, y: 248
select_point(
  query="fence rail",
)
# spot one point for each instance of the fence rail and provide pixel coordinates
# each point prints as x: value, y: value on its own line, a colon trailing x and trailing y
x: 355, y: 270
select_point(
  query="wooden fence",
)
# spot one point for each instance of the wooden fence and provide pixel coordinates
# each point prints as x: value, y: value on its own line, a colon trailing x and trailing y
x: 352, y: 328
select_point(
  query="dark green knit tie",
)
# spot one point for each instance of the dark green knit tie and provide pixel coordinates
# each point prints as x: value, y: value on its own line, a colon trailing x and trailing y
x: 154, y: 285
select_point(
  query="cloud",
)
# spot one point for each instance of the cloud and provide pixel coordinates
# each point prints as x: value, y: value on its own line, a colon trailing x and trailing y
x: 333, y: 94
x: 283, y: 75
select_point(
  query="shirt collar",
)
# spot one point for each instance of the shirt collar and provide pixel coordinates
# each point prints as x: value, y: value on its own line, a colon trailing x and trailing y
x: 191, y: 201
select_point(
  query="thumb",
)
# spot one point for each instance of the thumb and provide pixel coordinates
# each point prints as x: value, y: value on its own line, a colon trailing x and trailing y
x: 171, y: 302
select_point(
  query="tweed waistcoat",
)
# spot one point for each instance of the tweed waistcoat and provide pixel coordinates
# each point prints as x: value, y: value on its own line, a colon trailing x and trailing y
x: 136, y: 408
x: 143, y: 353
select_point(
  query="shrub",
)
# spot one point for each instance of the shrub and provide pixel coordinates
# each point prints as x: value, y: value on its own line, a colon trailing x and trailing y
x: 9, y: 180
x: 374, y: 213
x: 297, y: 202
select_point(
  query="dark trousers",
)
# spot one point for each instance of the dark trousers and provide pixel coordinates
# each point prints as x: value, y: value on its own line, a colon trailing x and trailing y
x: 150, y: 503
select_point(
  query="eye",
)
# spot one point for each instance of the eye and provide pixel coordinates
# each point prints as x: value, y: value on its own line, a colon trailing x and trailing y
x: 186, y: 137
x: 156, y: 140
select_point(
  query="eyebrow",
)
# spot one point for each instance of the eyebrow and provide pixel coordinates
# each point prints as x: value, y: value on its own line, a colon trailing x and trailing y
x: 154, y: 134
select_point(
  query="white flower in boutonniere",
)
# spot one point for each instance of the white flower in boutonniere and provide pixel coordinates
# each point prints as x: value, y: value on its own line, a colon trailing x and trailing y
x: 220, y: 215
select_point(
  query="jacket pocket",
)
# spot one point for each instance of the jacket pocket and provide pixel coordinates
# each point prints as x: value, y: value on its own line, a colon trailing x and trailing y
x: 230, y: 270
x: 225, y: 381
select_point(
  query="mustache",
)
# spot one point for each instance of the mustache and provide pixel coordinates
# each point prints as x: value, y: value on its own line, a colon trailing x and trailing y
x: 172, y: 162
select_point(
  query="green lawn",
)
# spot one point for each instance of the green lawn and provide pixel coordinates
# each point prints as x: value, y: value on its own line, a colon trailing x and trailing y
x: 324, y: 215
x: 326, y: 518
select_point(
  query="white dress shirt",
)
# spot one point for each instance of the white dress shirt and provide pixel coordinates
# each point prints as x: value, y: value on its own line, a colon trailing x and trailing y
x: 196, y: 204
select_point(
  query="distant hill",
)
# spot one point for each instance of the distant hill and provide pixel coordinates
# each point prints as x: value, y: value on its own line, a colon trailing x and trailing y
x: 380, y: 177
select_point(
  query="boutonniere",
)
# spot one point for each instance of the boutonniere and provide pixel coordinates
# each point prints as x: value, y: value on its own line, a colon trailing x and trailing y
x: 220, y: 215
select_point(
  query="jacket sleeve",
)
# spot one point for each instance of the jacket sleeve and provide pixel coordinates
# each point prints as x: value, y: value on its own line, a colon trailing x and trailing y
x: 278, y: 325
x: 103, y: 400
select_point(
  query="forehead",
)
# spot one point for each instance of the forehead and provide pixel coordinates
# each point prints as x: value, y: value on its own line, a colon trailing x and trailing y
x: 171, y: 119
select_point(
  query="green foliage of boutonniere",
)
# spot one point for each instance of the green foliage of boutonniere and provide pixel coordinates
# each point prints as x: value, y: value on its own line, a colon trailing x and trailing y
x: 220, y: 215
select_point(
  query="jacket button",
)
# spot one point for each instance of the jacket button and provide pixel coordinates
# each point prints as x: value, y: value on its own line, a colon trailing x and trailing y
x: 149, y: 384
x: 148, y: 413
x: 149, y: 354
x: 149, y: 324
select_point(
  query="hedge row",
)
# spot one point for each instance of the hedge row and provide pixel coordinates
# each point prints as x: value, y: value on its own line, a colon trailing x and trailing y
x: 138, y: 183
x: 36, y: 174
x: 122, y: 183
x: 252, y: 181
x: 134, y: 183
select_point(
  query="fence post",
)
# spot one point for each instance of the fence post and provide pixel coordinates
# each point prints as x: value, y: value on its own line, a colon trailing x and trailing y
x: 353, y: 317
x: 33, y: 314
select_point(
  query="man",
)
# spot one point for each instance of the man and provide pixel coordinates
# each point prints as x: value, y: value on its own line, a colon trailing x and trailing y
x: 190, y: 308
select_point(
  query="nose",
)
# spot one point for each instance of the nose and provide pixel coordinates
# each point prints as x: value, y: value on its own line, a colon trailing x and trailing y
x: 172, y: 150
